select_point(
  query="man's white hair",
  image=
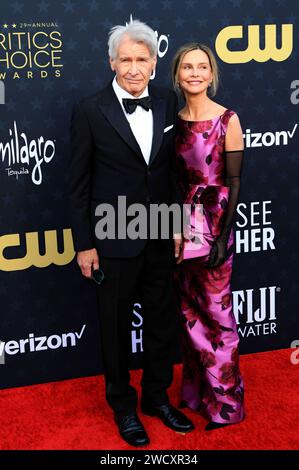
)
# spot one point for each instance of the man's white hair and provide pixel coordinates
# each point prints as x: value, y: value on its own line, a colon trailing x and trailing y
x: 137, y: 31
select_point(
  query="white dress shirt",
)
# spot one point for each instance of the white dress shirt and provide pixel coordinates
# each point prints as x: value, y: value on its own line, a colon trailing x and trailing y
x: 141, y: 121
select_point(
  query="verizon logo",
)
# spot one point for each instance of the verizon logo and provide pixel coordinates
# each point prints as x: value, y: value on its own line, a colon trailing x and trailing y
x: 39, y: 343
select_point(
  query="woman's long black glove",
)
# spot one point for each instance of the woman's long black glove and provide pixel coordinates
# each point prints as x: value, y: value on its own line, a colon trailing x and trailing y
x: 233, y: 168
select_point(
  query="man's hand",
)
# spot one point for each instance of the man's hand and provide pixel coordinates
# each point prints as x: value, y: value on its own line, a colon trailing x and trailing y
x: 178, y: 247
x: 87, y: 260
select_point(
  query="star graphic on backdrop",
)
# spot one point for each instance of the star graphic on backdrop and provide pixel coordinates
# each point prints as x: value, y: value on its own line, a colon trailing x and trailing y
x: 106, y: 23
x: 156, y: 22
x: 82, y: 25
x: 292, y: 18
x: 73, y: 83
x: 93, y: 5
x: 8, y: 199
x: 167, y: 4
x: 22, y: 85
x: 58, y: 195
x: 294, y: 158
x: 84, y: 63
x: 22, y: 216
x: 273, y: 193
x: 248, y: 92
x: 36, y: 103
x: 236, y: 3
x: 48, y: 85
x: 190, y: 4
x: 259, y: 74
x: 46, y: 214
x: 118, y: 5
x: 281, y: 73
x: 226, y: 94
x: 281, y: 108
x: 283, y: 176
x: 71, y: 44
x: 49, y: 122
x: 96, y: 44
x: 213, y: 3
x: 3, y: 289
x: 25, y: 123
x: 225, y: 21
x: 97, y: 82
x: 43, y: 6
x: 237, y: 75
x: 33, y: 197
x: 16, y: 305
x: 17, y: 7
x: 270, y: 91
x: 260, y: 109
x: 11, y: 105
x: 202, y: 22
x: 62, y: 102
x: 142, y: 4
x: 179, y: 22
x: 69, y: 6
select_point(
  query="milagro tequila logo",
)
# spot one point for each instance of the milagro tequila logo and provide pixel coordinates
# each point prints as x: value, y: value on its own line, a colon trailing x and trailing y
x: 22, y: 156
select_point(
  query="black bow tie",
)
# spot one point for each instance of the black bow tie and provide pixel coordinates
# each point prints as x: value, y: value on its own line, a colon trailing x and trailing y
x: 131, y: 104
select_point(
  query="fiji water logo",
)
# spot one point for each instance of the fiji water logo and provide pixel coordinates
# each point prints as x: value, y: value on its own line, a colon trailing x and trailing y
x: 255, y: 311
x: 22, y: 156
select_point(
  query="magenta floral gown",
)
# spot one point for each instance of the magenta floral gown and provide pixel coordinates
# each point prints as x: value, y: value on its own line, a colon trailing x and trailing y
x: 212, y: 383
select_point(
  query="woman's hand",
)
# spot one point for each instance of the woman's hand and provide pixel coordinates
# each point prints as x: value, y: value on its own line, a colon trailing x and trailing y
x: 218, y: 253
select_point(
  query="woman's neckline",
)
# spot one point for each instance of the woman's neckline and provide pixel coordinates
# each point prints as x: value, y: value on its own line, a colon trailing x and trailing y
x: 203, y: 120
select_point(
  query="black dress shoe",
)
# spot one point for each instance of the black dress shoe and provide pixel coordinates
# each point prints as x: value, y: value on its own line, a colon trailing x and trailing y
x: 170, y: 416
x: 131, y: 429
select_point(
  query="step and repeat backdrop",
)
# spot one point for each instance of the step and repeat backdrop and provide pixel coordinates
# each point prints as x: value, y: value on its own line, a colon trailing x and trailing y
x: 53, y: 53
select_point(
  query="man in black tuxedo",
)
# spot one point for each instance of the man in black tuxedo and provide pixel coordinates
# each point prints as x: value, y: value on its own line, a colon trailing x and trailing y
x: 123, y: 144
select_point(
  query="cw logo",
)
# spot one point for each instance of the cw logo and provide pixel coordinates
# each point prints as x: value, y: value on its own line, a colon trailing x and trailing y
x: 33, y: 256
x: 253, y: 50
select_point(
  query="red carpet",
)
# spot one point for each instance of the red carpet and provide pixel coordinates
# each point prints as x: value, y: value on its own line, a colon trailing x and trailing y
x: 73, y: 414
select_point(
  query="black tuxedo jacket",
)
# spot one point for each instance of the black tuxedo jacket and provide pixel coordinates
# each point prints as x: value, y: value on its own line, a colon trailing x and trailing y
x: 107, y: 162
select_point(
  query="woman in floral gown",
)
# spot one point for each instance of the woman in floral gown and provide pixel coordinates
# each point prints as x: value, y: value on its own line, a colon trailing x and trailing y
x: 209, y: 153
